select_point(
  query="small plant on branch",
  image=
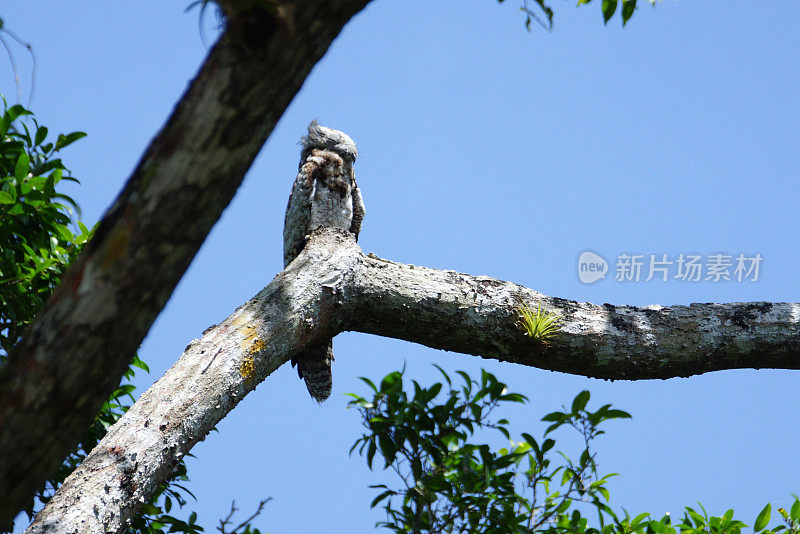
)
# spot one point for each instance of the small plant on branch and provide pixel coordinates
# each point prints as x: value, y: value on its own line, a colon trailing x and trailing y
x: 539, y: 324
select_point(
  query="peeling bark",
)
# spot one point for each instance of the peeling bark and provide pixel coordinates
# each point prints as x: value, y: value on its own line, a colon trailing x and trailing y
x: 73, y: 355
x: 331, y: 287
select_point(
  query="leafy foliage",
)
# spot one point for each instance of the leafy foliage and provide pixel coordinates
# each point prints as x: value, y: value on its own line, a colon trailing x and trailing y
x: 455, y: 485
x: 449, y: 482
x: 36, y: 242
x: 542, y: 13
x: 36, y: 247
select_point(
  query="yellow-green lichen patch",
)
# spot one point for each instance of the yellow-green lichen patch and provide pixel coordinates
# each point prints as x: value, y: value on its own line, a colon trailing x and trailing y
x: 257, y: 346
x: 251, y: 345
x: 249, y: 336
x: 247, y: 368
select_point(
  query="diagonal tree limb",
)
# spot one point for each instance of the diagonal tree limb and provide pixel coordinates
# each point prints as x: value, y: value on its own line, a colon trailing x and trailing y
x: 211, y: 377
x: 331, y: 287
x: 73, y: 355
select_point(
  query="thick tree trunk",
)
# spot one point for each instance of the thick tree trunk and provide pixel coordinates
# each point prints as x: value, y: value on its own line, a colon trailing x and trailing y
x: 75, y: 352
x: 330, y: 287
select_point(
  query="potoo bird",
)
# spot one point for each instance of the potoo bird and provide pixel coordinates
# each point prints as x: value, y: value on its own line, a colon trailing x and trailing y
x: 324, y: 194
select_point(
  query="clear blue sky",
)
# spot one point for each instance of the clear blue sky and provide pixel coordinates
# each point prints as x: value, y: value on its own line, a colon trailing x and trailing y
x: 492, y: 151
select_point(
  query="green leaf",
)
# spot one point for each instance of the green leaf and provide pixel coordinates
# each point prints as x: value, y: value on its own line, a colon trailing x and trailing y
x: 609, y: 8
x: 638, y: 519
x: 22, y: 167
x: 41, y: 134
x: 371, y: 450
x: 513, y: 397
x: 125, y: 389
x: 529, y: 439
x: 628, y: 7
x: 795, y: 510
x: 434, y: 390
x: 5, y: 198
x: 64, y: 140
x: 136, y: 361
x: 555, y: 417
x: 16, y: 111
x: 390, y: 381
x: 446, y: 377
x: 149, y: 509
x: 368, y: 382
x: 728, y: 515
x: 699, y: 520
x: 466, y: 378
x: 580, y: 401
x: 63, y: 232
x: 380, y: 497
x: 763, y: 518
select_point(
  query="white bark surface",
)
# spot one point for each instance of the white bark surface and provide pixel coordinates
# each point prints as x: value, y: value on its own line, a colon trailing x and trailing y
x: 332, y: 286
x: 211, y: 377
x: 477, y: 314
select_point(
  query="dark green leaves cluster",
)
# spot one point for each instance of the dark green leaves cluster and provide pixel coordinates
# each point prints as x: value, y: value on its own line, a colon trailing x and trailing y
x: 609, y: 7
x: 450, y: 481
x: 542, y: 13
x: 37, y: 245
x: 36, y: 241
x: 697, y: 522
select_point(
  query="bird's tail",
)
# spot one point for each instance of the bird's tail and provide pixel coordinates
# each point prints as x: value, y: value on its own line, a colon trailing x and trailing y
x: 314, y: 365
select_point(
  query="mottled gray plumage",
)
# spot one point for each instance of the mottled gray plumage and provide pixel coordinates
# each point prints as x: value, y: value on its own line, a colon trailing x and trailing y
x: 324, y: 194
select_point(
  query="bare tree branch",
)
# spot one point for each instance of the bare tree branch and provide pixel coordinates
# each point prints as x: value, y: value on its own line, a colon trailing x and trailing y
x: 225, y: 523
x: 477, y: 314
x: 331, y: 287
x: 75, y: 352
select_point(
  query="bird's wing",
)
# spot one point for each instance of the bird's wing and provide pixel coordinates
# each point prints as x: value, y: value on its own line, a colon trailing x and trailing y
x: 358, y: 210
x: 298, y: 214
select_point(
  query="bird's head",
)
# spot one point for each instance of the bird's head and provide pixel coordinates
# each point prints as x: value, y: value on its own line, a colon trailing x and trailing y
x: 323, y: 138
